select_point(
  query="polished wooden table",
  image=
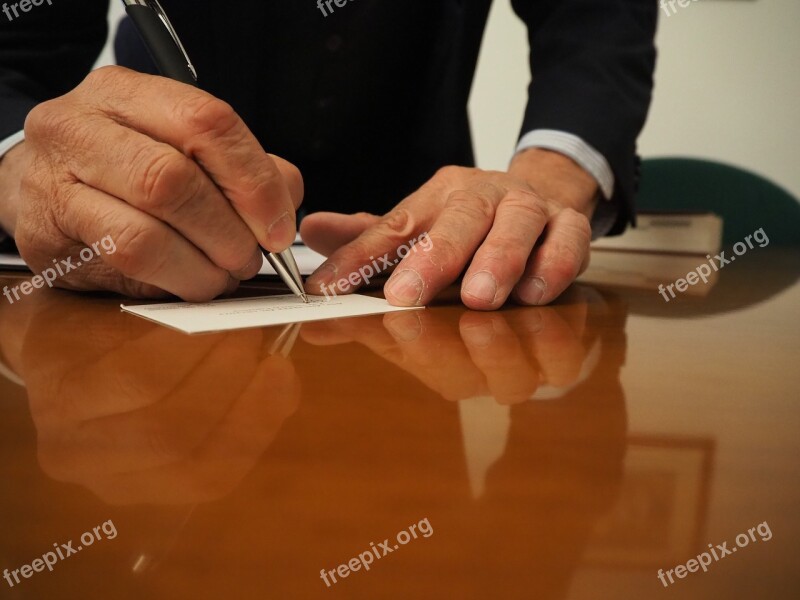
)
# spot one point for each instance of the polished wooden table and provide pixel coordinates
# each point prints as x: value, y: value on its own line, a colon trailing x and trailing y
x: 570, y: 451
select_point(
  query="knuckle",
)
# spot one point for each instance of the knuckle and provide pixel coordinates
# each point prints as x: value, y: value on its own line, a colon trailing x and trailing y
x: 136, y: 247
x: 396, y: 224
x: 293, y: 177
x: 532, y: 205
x: 579, y: 223
x: 506, y: 252
x: 103, y: 77
x: 237, y: 254
x: 38, y: 119
x: 566, y: 259
x: 203, y: 115
x: 50, y: 121
x: 446, y: 251
x: 449, y: 172
x: 262, y: 185
x: 31, y: 183
x: 470, y: 204
x: 166, y: 180
x: 575, y: 231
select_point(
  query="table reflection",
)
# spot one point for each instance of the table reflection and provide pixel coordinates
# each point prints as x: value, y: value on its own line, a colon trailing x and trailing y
x: 507, y: 431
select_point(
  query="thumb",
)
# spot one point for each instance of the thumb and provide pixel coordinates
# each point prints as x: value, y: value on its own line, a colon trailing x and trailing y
x: 325, y: 232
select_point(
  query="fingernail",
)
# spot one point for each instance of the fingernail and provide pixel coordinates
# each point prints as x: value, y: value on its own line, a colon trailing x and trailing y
x: 405, y: 287
x: 531, y: 290
x: 281, y: 233
x: 404, y: 327
x: 482, y: 286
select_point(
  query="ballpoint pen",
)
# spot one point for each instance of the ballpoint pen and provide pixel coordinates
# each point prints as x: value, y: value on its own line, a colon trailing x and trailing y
x: 173, y: 61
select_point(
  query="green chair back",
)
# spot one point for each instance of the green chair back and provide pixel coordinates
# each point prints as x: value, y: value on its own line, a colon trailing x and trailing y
x: 744, y: 200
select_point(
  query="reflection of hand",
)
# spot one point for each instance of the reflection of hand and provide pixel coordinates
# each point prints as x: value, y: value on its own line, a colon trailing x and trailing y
x: 138, y: 413
x: 507, y: 355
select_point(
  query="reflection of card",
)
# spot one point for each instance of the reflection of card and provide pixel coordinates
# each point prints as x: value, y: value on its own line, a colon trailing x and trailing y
x: 244, y: 313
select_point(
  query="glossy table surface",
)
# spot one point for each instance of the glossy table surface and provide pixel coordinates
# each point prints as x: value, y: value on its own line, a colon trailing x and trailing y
x: 568, y: 451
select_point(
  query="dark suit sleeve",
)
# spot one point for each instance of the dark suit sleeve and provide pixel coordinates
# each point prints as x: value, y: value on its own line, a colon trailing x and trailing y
x: 592, y: 63
x: 46, y: 52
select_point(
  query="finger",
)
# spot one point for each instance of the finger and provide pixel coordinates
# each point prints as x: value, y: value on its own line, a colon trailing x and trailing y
x: 209, y: 131
x: 558, y: 261
x: 160, y: 181
x: 558, y: 350
x: 496, y: 351
x: 462, y: 225
x: 375, y: 247
x: 147, y: 250
x: 293, y: 179
x: 434, y: 353
x: 326, y: 232
x: 500, y: 261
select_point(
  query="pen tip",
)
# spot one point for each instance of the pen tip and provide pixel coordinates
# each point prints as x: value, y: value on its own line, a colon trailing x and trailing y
x: 305, y: 298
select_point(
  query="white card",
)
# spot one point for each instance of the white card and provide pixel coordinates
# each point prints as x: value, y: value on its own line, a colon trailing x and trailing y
x: 244, y: 313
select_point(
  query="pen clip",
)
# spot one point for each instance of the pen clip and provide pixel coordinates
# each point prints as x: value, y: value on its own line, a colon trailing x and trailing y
x: 155, y: 5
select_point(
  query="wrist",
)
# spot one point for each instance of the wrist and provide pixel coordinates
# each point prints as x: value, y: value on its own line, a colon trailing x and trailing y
x: 11, y: 169
x: 557, y: 177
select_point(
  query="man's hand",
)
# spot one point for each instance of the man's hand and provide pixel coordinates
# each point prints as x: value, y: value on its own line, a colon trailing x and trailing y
x: 524, y: 233
x: 167, y: 171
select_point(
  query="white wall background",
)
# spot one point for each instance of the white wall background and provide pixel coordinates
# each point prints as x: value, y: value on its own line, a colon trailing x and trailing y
x: 727, y: 86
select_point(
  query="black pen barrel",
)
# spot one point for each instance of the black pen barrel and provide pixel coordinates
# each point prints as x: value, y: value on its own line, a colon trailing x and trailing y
x: 167, y: 56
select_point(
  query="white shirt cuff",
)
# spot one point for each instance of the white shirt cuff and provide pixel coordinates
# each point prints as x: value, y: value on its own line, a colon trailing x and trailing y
x: 11, y: 141
x: 6, y: 145
x: 575, y: 148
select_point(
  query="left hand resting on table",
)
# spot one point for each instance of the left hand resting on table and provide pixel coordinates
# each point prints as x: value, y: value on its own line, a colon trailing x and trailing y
x: 524, y: 234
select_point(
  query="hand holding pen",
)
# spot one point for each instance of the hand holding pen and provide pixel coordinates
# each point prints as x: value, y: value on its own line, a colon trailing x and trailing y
x: 172, y: 60
x: 167, y: 171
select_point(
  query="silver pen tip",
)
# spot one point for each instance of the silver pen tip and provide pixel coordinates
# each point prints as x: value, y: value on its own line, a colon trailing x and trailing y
x: 304, y: 297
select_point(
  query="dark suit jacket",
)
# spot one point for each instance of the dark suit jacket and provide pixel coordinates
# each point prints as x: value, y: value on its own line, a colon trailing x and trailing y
x: 372, y: 99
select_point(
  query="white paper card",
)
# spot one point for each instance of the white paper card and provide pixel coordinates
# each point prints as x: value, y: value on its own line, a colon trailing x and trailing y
x: 244, y: 313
